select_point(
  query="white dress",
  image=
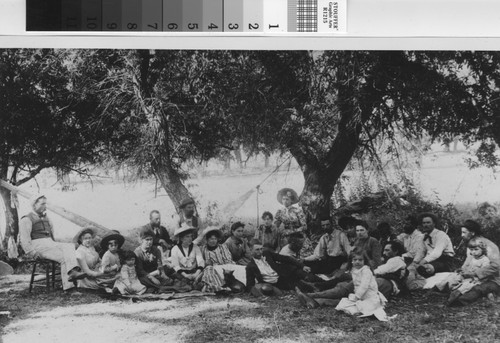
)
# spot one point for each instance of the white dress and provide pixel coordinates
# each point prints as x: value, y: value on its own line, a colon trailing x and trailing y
x: 366, y: 300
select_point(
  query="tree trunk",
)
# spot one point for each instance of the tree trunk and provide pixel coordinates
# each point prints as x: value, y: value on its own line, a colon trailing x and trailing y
x: 172, y: 183
x: 11, y: 217
x: 266, y: 160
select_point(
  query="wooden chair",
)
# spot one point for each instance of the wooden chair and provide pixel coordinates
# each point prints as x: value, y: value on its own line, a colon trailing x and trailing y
x: 51, y: 271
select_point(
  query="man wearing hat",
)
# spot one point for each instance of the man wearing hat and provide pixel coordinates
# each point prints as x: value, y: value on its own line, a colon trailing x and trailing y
x: 37, y: 240
x: 188, y: 215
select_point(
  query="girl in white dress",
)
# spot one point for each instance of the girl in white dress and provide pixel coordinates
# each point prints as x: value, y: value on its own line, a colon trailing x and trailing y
x: 366, y: 299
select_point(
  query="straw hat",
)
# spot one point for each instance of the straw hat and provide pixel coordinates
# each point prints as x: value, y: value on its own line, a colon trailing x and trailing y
x: 294, y: 197
x: 212, y: 229
x: 184, y: 228
x: 79, y: 235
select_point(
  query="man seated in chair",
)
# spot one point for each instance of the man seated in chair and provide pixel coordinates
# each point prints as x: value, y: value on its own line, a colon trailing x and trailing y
x: 37, y: 240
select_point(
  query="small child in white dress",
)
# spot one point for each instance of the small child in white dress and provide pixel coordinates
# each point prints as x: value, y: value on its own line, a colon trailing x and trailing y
x: 468, y: 274
x: 366, y: 299
x: 128, y: 283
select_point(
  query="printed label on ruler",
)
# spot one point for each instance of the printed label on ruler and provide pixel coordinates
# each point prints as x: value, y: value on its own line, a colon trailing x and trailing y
x: 332, y: 16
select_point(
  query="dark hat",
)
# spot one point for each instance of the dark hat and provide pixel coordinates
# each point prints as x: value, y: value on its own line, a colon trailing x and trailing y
x: 472, y: 226
x: 85, y: 230
x: 288, y: 192
x: 186, y: 202
x: 112, y: 236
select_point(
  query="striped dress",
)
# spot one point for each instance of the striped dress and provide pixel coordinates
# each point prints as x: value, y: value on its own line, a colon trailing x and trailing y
x: 217, y: 260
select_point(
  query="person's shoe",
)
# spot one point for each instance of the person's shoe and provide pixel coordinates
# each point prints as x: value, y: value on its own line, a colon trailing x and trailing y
x: 305, y: 300
x: 75, y: 275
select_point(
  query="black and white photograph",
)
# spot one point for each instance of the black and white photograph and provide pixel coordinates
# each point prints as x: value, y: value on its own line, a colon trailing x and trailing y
x: 153, y: 195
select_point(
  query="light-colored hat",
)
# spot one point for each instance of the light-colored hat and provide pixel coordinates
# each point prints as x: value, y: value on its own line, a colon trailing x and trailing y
x: 184, y: 228
x: 294, y: 198
x: 35, y: 198
x: 85, y: 230
x: 212, y: 229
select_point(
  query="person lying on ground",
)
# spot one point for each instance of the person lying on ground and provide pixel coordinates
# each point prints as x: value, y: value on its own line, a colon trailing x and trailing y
x: 364, y: 299
x: 36, y: 236
x: 150, y: 269
x: 331, y: 252
x: 438, y: 249
x: 217, y: 259
x: 128, y: 283
x: 187, y: 259
x: 489, y: 274
x: 390, y: 278
x: 268, y: 233
x: 392, y: 273
x: 273, y: 272
x: 369, y: 244
x: 238, y: 244
x: 90, y: 263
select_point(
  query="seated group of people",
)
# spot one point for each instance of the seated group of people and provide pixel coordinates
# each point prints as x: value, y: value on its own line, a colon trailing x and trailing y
x: 355, y: 275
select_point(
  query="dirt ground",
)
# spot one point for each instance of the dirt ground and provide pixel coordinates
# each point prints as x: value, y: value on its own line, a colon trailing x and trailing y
x: 87, y: 317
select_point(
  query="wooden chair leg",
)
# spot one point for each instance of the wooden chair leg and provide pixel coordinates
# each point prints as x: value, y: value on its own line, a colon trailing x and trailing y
x: 47, y: 276
x: 53, y: 275
x: 32, y: 276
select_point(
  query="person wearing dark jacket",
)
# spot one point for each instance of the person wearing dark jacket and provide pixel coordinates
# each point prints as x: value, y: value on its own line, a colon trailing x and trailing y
x: 273, y: 272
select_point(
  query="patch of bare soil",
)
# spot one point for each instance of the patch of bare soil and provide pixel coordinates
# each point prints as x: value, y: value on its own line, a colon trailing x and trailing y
x: 87, y: 317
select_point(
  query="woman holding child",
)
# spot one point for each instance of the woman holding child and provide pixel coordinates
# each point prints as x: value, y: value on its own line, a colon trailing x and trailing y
x: 90, y: 263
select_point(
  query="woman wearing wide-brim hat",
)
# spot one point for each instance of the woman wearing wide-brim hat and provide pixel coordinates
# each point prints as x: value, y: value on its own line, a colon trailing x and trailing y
x: 291, y: 218
x: 217, y: 259
x: 112, y: 236
x: 187, y: 259
x: 89, y: 261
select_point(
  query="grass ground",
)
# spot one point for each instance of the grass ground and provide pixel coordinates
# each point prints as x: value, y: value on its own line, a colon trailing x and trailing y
x: 86, y: 317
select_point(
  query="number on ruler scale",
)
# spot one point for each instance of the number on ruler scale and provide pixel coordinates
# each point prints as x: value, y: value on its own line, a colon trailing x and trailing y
x: 232, y: 26
x: 155, y: 26
x: 132, y: 26
x: 277, y: 26
x: 172, y: 26
x: 112, y: 26
x: 212, y: 26
x: 192, y: 26
x: 254, y: 26
x: 91, y: 23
